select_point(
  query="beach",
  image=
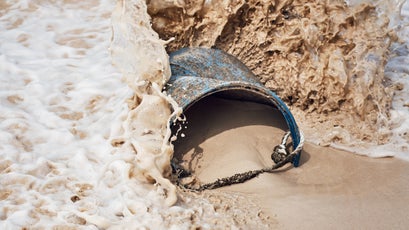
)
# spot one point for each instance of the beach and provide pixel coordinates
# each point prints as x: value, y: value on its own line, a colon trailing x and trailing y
x: 85, y: 119
x: 337, y: 190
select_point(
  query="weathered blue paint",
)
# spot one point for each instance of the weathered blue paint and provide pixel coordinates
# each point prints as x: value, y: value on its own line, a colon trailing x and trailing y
x: 200, y: 72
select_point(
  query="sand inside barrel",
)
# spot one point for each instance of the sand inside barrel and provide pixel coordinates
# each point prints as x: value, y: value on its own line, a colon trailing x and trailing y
x: 330, y: 189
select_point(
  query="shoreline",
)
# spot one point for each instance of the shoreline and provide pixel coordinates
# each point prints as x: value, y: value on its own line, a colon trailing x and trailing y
x: 334, y: 189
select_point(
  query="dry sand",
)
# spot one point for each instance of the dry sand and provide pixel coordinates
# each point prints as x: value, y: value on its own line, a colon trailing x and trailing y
x: 331, y: 188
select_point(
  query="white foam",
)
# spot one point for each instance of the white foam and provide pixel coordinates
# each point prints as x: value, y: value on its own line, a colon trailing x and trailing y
x: 397, y: 70
x: 60, y: 96
x: 62, y: 102
x: 397, y: 73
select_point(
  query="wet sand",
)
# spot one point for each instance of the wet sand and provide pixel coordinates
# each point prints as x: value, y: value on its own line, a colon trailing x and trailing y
x: 337, y: 190
x: 331, y: 188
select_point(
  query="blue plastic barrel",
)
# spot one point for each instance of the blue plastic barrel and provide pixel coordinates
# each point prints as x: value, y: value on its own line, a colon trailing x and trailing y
x: 201, y: 72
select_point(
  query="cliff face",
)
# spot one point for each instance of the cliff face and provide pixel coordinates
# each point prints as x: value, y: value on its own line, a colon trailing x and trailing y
x: 323, y: 58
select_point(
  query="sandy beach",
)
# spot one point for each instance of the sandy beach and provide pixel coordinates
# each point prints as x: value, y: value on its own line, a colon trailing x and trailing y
x: 84, y: 119
x: 335, y: 189
x: 330, y: 189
